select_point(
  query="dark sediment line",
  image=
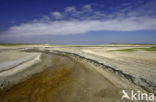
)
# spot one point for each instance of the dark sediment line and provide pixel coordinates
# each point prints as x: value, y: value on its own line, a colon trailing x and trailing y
x: 148, y: 87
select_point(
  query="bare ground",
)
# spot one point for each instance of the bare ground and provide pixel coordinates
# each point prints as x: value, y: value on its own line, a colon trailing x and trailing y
x: 68, y: 80
x: 59, y: 78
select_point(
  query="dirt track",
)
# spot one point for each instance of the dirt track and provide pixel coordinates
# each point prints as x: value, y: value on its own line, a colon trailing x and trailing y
x: 67, y: 80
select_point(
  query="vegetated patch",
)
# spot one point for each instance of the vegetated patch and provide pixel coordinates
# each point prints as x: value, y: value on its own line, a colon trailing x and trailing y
x: 18, y: 44
x: 136, y: 49
x: 9, y: 44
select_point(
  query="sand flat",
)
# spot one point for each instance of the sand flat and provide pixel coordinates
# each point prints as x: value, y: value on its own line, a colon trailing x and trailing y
x: 69, y: 80
x: 60, y: 74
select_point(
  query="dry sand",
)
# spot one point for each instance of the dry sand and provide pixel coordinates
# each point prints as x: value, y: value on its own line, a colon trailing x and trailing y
x: 58, y: 77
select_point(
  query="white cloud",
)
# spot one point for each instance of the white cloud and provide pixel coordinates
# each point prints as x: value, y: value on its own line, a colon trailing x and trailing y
x: 56, y: 15
x: 138, y: 8
x: 80, y: 22
x: 87, y: 8
x: 70, y: 9
x: 45, y: 18
x: 80, y: 27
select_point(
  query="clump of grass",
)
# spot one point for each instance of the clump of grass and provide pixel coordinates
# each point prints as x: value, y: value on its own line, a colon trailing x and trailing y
x: 136, y: 49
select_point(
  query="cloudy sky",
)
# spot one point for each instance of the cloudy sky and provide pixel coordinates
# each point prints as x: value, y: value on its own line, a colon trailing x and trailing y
x: 78, y: 21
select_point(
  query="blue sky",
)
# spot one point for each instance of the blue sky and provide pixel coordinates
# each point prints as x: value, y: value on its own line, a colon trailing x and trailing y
x: 78, y: 21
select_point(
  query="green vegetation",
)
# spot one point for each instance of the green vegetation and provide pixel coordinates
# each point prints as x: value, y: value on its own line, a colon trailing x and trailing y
x: 19, y: 44
x: 136, y: 49
x: 10, y: 44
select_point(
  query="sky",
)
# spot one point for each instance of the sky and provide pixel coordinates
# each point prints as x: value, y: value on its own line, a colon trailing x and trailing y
x: 78, y: 21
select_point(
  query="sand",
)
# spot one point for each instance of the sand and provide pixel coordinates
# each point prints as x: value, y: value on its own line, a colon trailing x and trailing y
x: 68, y: 80
x: 141, y: 65
x: 76, y: 74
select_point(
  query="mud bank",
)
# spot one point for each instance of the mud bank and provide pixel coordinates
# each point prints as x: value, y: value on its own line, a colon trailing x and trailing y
x: 66, y: 79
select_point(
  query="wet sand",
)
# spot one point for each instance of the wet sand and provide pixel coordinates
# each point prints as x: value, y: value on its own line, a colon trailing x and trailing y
x: 67, y: 80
